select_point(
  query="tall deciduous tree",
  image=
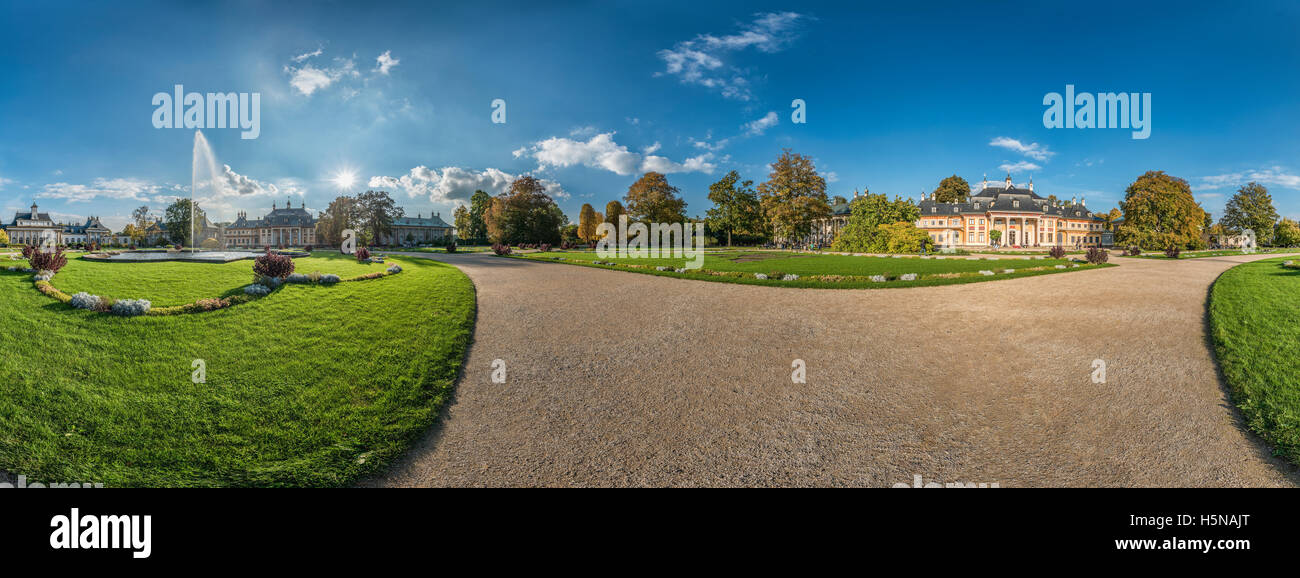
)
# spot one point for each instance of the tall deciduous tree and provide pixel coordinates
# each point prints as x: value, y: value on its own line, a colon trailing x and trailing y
x: 141, y: 217
x: 177, y: 221
x: 478, y: 206
x: 863, y: 232
x: 612, y: 211
x: 4, y: 238
x: 1286, y: 233
x: 341, y: 214
x: 1251, y: 208
x: 1160, y: 212
x: 953, y: 189
x: 376, y: 212
x: 587, y: 221
x: 793, y: 196
x: 735, y: 206
x: 524, y: 214
x: 461, y: 220
x: 652, y: 200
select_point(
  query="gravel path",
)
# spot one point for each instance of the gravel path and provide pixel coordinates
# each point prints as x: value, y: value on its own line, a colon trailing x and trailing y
x: 624, y: 379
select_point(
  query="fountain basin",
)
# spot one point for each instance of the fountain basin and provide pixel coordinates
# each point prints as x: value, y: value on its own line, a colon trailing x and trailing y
x: 196, y: 257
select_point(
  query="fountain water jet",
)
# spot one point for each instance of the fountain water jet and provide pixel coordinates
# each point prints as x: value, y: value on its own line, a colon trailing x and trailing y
x: 204, y: 164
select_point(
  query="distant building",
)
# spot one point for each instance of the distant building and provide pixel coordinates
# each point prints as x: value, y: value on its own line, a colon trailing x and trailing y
x: 32, y: 227
x: 417, y: 231
x: 286, y: 226
x: 1024, y: 219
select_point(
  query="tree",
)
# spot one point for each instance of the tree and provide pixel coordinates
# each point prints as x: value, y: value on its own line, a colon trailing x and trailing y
x: 953, y: 189
x: 868, y: 212
x: 901, y: 237
x: 1251, y: 208
x: 612, y: 211
x: 524, y: 214
x: 995, y: 235
x: 735, y: 208
x: 1160, y: 213
x: 588, y: 220
x: 839, y: 200
x: 1286, y: 233
x: 141, y: 217
x: 177, y: 221
x: 375, y: 212
x: 341, y: 214
x: 652, y: 200
x: 478, y: 206
x: 461, y: 220
x: 793, y: 196
x: 4, y: 238
x: 1111, y: 218
x: 132, y: 232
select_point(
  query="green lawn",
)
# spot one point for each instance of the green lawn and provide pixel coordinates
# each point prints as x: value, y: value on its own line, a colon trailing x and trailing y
x: 175, y: 283
x: 1214, y: 253
x: 739, y: 267
x: 1254, y: 318
x: 310, y: 386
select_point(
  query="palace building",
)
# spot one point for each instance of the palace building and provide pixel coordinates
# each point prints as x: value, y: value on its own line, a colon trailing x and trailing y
x: 31, y: 227
x: 288, y: 227
x: 1023, y: 218
x: 417, y: 230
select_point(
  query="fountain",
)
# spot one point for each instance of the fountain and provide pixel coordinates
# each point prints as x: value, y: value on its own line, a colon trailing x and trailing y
x: 204, y: 172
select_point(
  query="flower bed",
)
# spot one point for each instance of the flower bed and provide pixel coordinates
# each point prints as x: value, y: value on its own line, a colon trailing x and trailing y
x: 261, y: 287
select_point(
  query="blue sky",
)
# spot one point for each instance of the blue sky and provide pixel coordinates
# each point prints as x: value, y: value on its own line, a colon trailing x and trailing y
x: 398, y: 96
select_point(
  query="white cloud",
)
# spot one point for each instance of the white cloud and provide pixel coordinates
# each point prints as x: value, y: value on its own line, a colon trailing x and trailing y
x: 652, y: 149
x: 386, y: 62
x: 4, y: 181
x: 1018, y: 166
x: 702, y: 60
x: 455, y: 183
x: 101, y: 188
x: 602, y: 152
x: 309, y: 78
x: 1032, y: 150
x: 1275, y: 175
x: 758, y: 127
x: 306, y: 55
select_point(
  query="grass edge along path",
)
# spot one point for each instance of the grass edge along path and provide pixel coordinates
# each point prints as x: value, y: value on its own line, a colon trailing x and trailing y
x: 832, y: 280
x: 1253, y: 315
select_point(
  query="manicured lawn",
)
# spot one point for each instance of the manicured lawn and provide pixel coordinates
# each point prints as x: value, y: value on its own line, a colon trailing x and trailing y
x: 175, y: 283
x: 739, y: 267
x: 310, y: 386
x: 459, y: 249
x: 1214, y: 253
x: 1254, y: 315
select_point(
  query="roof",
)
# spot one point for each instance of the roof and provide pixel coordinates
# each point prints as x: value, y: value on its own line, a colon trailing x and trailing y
x: 28, y: 217
x: 997, y: 199
x: 284, y: 217
x: 432, y: 221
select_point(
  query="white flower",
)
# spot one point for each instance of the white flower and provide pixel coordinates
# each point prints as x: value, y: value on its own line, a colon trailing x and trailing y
x: 85, y: 300
x: 1008, y: 270
x: 661, y: 268
x: 877, y: 278
x: 790, y: 277
x: 1060, y: 266
x: 680, y: 270
x: 907, y: 277
x: 986, y: 272
x: 131, y: 307
x: 760, y: 276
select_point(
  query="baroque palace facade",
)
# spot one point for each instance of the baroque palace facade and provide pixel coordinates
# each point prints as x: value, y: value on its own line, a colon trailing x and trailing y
x: 1024, y: 219
x: 32, y: 227
x: 288, y: 227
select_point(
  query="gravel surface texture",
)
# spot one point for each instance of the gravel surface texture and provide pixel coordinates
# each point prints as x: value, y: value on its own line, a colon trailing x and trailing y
x: 621, y: 379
